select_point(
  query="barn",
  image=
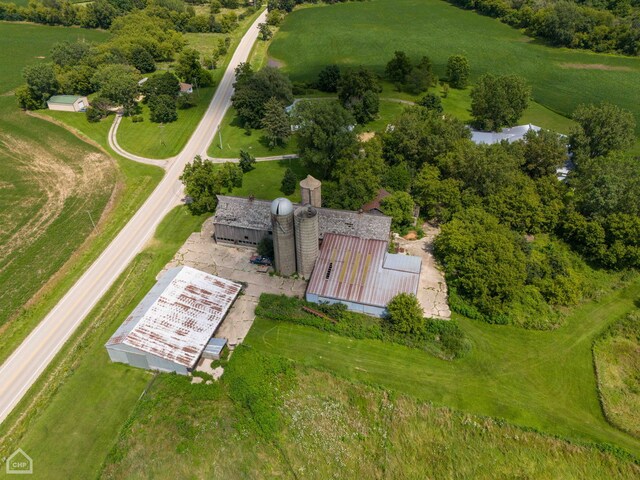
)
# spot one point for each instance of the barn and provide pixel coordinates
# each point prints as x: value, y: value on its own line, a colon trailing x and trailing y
x: 361, y: 274
x: 68, y: 103
x: 174, y: 322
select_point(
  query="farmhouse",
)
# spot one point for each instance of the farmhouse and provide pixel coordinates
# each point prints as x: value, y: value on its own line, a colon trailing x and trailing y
x: 361, y: 274
x: 68, y: 103
x: 185, y: 88
x: 511, y: 135
x: 173, y: 324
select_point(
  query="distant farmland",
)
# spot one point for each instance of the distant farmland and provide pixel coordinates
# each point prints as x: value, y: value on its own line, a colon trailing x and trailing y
x: 367, y: 33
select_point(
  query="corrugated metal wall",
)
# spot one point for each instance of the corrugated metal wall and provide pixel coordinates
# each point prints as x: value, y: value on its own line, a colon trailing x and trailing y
x: 239, y: 236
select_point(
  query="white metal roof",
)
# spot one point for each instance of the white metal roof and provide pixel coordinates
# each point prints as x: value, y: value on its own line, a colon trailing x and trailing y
x: 178, y: 316
x: 509, y: 134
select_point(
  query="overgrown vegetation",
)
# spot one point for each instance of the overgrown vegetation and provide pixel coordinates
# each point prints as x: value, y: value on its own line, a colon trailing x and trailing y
x: 441, y: 338
x: 617, y: 361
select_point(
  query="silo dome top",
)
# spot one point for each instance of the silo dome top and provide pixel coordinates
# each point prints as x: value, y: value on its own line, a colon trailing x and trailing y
x: 310, y: 183
x: 281, y: 206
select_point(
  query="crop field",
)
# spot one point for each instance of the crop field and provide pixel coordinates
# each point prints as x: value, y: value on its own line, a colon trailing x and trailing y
x: 367, y: 34
x: 51, y: 183
x: 78, y: 412
x: 541, y: 380
x: 327, y: 427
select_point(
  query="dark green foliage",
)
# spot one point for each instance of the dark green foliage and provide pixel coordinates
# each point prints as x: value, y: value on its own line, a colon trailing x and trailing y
x: 601, y: 129
x: 257, y: 384
x: 186, y: 101
x: 67, y: 54
x: 443, y: 339
x: 420, y: 136
x: 228, y: 177
x: 41, y: 84
x: 604, y: 186
x: 328, y: 79
x: 199, y: 178
x: 397, y: 178
x: 499, y: 101
x: 142, y: 60
x: 398, y: 68
x: 399, y: 206
x: 358, y: 92
x: 420, y: 78
x: 276, y: 123
x: 289, y: 182
x: 190, y: 70
x: 247, y: 161
x: 458, y: 71
x: 93, y: 115
x: 432, y: 102
x: 356, y: 180
x: 544, y: 152
x: 324, y: 134
x: 404, y: 315
x: 483, y: 260
x: 163, y: 109
x: 163, y: 84
x: 118, y: 83
x: 265, y: 247
x: 438, y: 199
x: 265, y: 31
x: 254, y: 89
x: 76, y: 80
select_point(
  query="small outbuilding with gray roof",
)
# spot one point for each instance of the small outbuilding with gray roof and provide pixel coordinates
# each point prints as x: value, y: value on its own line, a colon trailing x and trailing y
x: 173, y: 324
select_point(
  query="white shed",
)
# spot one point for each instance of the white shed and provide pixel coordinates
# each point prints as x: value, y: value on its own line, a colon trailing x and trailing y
x: 68, y: 103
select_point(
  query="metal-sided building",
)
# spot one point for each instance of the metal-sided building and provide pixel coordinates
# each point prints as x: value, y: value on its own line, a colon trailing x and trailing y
x: 174, y: 322
x: 361, y: 274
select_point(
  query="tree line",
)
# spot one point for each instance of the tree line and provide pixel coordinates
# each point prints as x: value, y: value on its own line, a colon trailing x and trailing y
x: 601, y: 26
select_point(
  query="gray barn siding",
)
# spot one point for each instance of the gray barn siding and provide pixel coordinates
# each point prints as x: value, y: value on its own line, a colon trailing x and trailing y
x: 354, y: 307
x: 238, y: 236
x: 129, y: 355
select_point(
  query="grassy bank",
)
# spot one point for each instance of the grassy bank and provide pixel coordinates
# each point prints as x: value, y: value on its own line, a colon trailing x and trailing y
x: 74, y: 412
x: 318, y: 426
x: 542, y: 380
x: 367, y: 33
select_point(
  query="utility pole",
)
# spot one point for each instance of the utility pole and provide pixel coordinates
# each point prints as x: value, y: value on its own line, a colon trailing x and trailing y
x: 220, y: 135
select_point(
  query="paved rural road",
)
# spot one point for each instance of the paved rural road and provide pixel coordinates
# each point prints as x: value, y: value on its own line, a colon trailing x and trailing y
x: 30, y: 359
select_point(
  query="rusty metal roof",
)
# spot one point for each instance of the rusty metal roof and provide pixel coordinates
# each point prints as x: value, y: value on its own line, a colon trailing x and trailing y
x: 256, y: 215
x: 178, y: 316
x: 361, y: 271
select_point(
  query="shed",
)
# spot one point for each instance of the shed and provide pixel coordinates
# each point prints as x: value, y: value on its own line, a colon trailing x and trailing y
x: 185, y: 88
x: 68, y: 103
x: 174, y: 322
x: 214, y: 348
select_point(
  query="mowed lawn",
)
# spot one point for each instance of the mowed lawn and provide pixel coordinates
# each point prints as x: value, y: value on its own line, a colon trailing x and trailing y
x: 88, y: 398
x: 541, y: 380
x: 367, y: 34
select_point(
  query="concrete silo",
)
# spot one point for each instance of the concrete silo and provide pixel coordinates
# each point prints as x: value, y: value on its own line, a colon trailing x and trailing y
x: 307, y: 235
x: 310, y: 191
x: 284, y: 247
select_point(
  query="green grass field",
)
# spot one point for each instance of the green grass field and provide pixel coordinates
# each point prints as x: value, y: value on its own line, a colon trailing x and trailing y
x: 84, y: 399
x: 367, y: 33
x: 617, y: 361
x: 153, y: 140
x: 541, y: 380
x: 264, y: 181
x: 332, y: 428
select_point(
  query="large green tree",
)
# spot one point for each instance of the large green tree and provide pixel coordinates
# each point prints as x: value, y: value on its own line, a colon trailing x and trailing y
x: 201, y: 186
x: 276, y: 123
x: 439, y: 199
x: 325, y: 134
x: 41, y: 84
x: 163, y: 109
x: 328, y: 79
x: 254, y: 89
x: 544, y: 152
x: 399, y: 67
x: 499, y: 101
x: 601, y: 129
x: 190, y: 70
x: 358, y: 92
x: 458, y: 71
x: 399, y: 206
x: 404, y: 315
x: 118, y: 83
x: 163, y: 84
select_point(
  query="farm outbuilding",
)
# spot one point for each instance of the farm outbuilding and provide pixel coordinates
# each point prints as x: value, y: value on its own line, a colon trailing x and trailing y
x: 361, y: 274
x: 173, y: 324
x: 68, y: 103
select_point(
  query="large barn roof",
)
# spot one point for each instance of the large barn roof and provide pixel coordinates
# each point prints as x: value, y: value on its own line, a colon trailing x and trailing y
x: 511, y: 135
x: 178, y: 316
x: 361, y: 271
x: 256, y: 215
